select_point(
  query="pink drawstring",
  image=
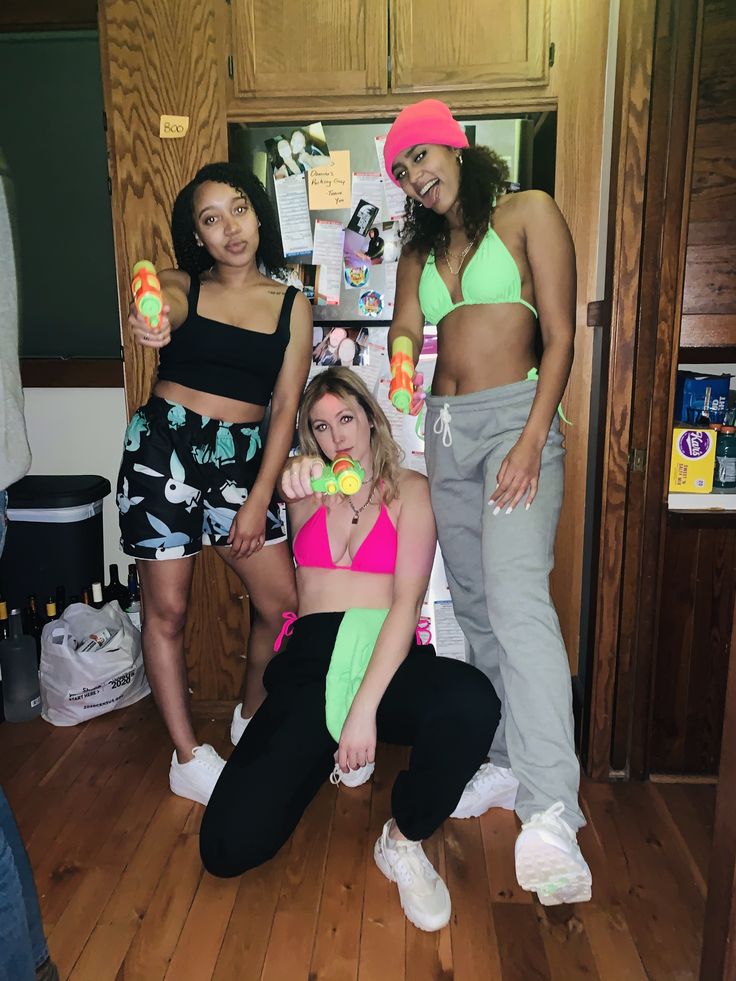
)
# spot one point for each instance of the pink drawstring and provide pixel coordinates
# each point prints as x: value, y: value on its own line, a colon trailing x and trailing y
x: 286, y: 630
x: 424, y: 625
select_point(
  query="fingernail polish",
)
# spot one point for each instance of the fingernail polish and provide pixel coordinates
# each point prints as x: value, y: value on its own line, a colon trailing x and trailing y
x: 509, y: 509
x: 496, y: 510
x: 527, y: 506
x: 492, y: 502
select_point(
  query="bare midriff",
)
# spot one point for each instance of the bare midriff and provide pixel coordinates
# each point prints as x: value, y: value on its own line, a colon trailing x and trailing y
x: 484, y: 346
x: 205, y: 404
x: 335, y: 590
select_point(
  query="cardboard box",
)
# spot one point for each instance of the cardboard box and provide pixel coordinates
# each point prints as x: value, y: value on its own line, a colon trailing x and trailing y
x: 693, y: 460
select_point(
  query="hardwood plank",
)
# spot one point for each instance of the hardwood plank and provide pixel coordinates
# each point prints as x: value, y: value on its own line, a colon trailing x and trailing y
x: 99, y: 881
x: 48, y: 754
x: 499, y: 830
x: 120, y: 919
x: 18, y: 740
x: 429, y: 956
x: 520, y: 945
x: 292, y: 934
x: 604, y: 918
x: 688, y: 825
x: 383, y: 931
x: 566, y: 944
x: 663, y: 907
x: 474, y: 942
x: 248, y: 933
x: 200, y: 942
x: 337, y: 937
x: 160, y: 928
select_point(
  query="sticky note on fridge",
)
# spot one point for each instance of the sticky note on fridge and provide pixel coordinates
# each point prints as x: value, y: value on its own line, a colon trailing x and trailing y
x: 173, y: 127
x: 329, y: 186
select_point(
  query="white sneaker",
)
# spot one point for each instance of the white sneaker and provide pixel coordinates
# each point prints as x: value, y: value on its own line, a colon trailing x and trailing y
x: 492, y: 786
x: 238, y: 725
x: 197, y: 778
x: 355, y: 778
x: 549, y: 861
x: 424, y: 896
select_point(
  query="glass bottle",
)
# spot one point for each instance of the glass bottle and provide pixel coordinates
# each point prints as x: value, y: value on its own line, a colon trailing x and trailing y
x: 21, y: 694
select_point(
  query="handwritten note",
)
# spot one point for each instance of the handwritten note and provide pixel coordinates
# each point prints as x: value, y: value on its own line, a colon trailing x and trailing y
x: 329, y: 186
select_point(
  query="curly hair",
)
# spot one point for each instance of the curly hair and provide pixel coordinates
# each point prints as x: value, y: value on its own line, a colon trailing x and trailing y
x: 483, y: 176
x: 195, y: 259
x: 345, y: 384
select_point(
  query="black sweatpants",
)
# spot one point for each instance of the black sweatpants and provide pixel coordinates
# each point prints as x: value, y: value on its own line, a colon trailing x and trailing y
x: 446, y: 710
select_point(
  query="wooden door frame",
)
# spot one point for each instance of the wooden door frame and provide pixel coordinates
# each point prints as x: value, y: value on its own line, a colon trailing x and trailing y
x: 659, y: 56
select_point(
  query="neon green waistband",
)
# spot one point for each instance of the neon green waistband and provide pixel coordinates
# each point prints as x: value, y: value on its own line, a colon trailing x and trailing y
x: 353, y: 649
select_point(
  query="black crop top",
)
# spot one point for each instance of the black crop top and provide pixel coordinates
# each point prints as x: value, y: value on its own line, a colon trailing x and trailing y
x: 221, y: 359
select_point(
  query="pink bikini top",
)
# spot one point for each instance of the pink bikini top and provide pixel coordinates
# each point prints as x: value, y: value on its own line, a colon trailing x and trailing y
x: 376, y: 554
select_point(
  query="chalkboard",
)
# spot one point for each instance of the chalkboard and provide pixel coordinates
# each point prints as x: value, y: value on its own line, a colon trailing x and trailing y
x: 51, y: 132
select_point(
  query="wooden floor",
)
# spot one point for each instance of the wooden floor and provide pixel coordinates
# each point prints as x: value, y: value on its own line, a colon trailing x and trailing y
x: 124, y: 895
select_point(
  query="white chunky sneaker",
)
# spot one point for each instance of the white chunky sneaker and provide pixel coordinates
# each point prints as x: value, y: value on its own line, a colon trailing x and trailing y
x: 549, y: 861
x: 424, y: 896
x: 196, y: 779
x: 492, y: 786
x: 238, y: 725
x: 355, y: 778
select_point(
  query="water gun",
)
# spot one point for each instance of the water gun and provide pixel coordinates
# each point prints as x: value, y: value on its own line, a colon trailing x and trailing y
x: 147, y: 293
x: 401, y: 389
x: 344, y: 476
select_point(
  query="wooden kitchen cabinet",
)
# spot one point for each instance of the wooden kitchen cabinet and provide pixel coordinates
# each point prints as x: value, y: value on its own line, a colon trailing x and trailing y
x: 342, y: 47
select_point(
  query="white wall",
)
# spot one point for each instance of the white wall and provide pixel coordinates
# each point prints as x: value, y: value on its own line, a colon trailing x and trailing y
x: 79, y: 431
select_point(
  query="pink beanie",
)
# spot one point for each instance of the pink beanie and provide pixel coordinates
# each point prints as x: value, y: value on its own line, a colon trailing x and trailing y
x: 429, y: 121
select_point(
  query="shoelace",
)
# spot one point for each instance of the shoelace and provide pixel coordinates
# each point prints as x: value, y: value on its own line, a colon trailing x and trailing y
x: 335, y: 776
x: 442, y: 425
x: 412, y: 867
x: 207, y: 757
x: 552, y: 816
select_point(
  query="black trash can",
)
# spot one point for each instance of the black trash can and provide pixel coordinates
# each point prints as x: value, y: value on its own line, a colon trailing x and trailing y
x: 54, y: 537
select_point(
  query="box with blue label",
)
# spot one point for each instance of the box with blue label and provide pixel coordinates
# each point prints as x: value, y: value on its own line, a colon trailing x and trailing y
x: 698, y: 396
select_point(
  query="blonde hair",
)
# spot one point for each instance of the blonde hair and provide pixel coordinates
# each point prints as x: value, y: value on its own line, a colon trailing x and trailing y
x: 345, y: 384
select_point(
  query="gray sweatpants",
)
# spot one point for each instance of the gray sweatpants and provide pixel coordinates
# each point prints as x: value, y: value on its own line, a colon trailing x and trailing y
x: 498, y: 573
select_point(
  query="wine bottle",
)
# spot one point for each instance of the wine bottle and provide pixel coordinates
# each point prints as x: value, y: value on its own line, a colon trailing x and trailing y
x: 60, y: 600
x: 86, y: 596
x: 115, y: 589
x: 34, y: 624
x: 4, y: 631
x: 21, y: 695
x: 97, y: 600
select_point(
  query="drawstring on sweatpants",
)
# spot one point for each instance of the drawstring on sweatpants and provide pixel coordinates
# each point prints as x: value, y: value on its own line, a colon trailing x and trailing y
x: 287, y: 629
x: 442, y: 425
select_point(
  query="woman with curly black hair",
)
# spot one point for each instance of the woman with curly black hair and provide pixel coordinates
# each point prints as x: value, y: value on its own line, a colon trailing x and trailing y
x: 195, y: 468
x: 490, y: 270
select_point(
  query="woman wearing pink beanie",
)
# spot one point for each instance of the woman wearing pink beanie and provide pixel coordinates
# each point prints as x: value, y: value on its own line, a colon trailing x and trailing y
x: 494, y: 272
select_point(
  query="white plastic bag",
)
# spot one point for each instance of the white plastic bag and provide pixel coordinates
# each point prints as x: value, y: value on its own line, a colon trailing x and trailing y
x: 77, y: 686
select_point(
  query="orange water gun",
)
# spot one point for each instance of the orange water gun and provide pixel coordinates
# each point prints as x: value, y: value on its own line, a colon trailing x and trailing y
x: 147, y: 294
x: 401, y: 389
x: 344, y: 475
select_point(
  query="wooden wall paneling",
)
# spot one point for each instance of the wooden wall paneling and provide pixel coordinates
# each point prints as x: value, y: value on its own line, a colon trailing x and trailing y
x: 666, y: 211
x: 633, y: 83
x: 708, y: 331
x: 719, y: 931
x: 159, y: 56
x: 716, y: 588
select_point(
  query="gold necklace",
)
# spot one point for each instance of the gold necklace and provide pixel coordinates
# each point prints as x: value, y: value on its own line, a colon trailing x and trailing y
x: 357, y: 511
x: 447, y: 254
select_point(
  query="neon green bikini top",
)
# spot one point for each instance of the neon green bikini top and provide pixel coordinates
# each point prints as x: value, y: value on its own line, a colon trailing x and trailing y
x: 491, y: 276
